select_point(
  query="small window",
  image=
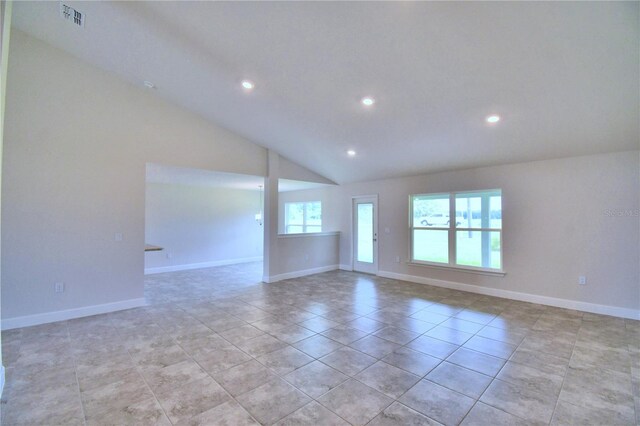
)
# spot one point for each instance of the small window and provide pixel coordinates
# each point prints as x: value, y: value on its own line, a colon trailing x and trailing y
x: 462, y: 229
x: 302, y: 218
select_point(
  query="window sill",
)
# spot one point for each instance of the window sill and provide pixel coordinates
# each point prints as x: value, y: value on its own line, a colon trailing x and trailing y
x: 309, y: 234
x: 493, y: 272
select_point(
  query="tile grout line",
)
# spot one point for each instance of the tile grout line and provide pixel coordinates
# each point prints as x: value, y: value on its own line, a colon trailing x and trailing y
x: 280, y: 377
x: 149, y: 387
x: 209, y: 374
x: 138, y: 370
x: 424, y: 377
x: 573, y: 348
x: 283, y: 379
x: 378, y: 359
x: 509, y: 360
x: 495, y: 377
x: 75, y: 371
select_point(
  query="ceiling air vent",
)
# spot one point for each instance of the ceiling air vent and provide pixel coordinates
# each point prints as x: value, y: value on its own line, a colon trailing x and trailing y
x: 72, y: 15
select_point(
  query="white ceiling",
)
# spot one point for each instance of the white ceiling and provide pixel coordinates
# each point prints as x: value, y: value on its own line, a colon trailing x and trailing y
x: 563, y: 75
x: 159, y: 173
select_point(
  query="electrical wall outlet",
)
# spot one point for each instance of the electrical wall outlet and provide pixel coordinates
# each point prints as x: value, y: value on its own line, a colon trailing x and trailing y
x: 58, y: 287
x: 117, y: 236
x: 169, y: 255
x: 397, y: 259
x: 582, y: 280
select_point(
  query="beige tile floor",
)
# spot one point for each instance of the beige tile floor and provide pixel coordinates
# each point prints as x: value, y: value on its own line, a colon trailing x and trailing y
x: 215, y: 346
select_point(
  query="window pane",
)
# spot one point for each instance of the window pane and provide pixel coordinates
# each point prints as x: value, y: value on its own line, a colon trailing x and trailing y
x: 365, y: 232
x: 294, y: 229
x: 468, y: 211
x: 294, y: 215
x: 478, y: 248
x: 495, y: 212
x: 431, y: 245
x: 303, y: 217
x: 314, y: 214
x: 479, y: 210
x: 431, y: 210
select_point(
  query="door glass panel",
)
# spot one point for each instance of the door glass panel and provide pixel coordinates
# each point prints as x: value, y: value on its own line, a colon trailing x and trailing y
x: 365, y: 232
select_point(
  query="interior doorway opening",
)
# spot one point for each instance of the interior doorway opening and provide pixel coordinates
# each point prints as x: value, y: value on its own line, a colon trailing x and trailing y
x: 196, y: 219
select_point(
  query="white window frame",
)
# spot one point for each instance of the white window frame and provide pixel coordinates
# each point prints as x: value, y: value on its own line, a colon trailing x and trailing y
x: 304, y: 223
x: 452, y: 264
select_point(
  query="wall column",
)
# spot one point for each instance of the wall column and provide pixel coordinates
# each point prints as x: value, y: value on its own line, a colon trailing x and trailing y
x: 5, y: 31
x: 270, y: 267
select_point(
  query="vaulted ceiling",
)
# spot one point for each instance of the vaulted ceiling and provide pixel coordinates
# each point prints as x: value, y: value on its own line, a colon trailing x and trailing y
x: 563, y: 76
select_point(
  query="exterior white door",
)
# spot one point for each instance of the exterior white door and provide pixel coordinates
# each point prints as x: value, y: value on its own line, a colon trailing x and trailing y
x: 365, y: 234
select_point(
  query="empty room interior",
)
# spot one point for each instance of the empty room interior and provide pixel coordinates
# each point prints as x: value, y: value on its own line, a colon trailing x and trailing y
x: 320, y: 213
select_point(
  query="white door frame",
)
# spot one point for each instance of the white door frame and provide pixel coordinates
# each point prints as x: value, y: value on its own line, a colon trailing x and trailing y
x: 369, y: 198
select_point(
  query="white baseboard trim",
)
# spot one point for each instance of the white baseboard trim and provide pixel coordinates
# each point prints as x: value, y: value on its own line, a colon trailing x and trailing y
x: 297, y: 274
x: 85, y: 311
x: 515, y: 295
x: 1, y: 379
x: 173, y: 268
x: 345, y: 267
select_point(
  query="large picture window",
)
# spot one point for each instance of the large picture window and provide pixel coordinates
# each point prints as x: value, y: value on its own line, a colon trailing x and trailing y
x: 302, y: 218
x: 461, y: 229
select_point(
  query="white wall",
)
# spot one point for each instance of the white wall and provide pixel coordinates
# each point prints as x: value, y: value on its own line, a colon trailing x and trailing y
x: 301, y: 254
x: 556, y: 226
x: 304, y: 254
x: 76, y: 143
x: 290, y: 170
x: 196, y: 224
x: 286, y: 256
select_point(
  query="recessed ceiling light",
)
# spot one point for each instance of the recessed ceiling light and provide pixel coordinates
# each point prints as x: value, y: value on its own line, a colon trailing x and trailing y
x: 493, y: 119
x: 247, y: 85
x: 149, y: 85
x: 351, y: 153
x: 368, y: 101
